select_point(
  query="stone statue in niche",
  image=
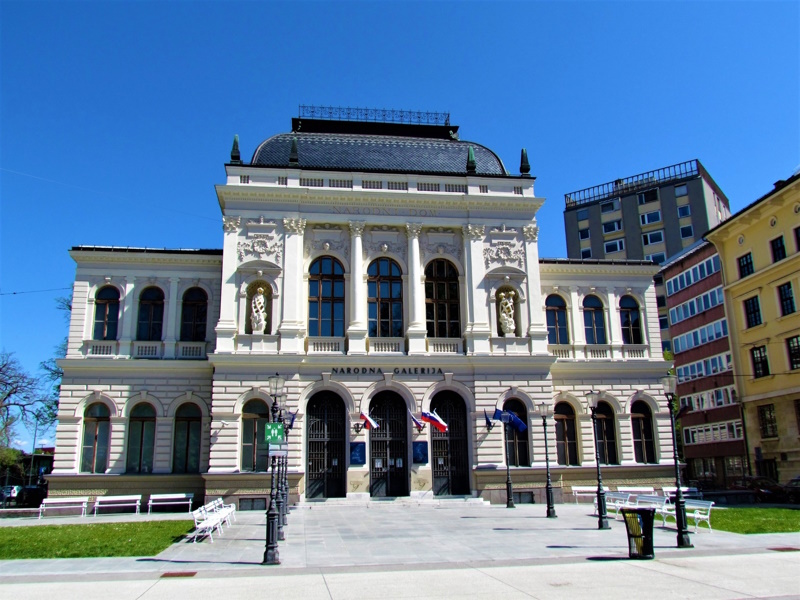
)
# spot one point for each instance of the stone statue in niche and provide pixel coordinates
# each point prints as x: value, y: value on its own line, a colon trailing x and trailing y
x: 507, y: 323
x: 259, y: 317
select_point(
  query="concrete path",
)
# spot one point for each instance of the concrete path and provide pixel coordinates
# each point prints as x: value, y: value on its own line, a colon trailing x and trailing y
x: 391, y: 550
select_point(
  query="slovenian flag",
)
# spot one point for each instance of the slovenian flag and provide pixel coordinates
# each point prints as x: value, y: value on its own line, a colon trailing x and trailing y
x: 417, y: 423
x: 369, y: 422
x: 435, y: 420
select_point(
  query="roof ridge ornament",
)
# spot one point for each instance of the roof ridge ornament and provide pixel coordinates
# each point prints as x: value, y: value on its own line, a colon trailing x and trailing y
x: 236, y: 157
x: 293, y: 157
x: 471, y: 165
x: 524, y: 165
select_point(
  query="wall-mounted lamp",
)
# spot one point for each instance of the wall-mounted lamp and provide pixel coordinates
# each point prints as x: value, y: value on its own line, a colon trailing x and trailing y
x: 357, y: 427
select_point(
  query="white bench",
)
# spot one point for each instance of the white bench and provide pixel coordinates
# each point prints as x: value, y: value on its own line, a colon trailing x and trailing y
x: 170, y: 500
x: 585, y: 491
x: 227, y: 512
x: 205, y: 523
x: 614, y: 501
x: 64, y: 502
x: 659, y: 503
x: 687, y: 492
x: 697, y: 510
x: 133, y: 501
x: 637, y: 490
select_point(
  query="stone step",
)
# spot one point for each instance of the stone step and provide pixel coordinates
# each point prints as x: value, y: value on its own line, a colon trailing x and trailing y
x: 440, y: 502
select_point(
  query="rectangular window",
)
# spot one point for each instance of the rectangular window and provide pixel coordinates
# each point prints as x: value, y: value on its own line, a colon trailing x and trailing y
x: 583, y: 214
x: 615, y: 246
x: 684, y: 211
x: 658, y: 257
x: 680, y: 190
x: 752, y: 312
x: 687, y: 231
x: 663, y: 322
x: 583, y: 234
x: 778, y: 249
x: 746, y: 265
x: 610, y: 206
x: 648, y: 196
x: 653, y: 237
x: 797, y: 239
x: 786, y: 297
x: 793, y: 348
x: 586, y: 253
x: 612, y: 226
x: 651, y: 217
x: 760, y: 362
x: 767, y: 421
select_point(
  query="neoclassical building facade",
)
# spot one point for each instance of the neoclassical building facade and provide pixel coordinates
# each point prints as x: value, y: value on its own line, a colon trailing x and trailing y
x: 385, y: 269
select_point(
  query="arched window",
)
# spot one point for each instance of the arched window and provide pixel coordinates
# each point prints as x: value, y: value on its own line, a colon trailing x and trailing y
x: 644, y: 448
x: 517, y: 448
x: 255, y: 450
x: 258, y: 316
x: 442, y: 300
x: 326, y: 298
x: 194, y: 314
x: 186, y: 441
x: 96, y: 434
x: 606, y: 434
x: 151, y: 315
x: 631, y: 321
x: 593, y: 320
x: 141, y: 439
x: 507, y: 309
x: 385, y: 291
x: 556, y: 310
x: 106, y: 313
x: 566, y: 434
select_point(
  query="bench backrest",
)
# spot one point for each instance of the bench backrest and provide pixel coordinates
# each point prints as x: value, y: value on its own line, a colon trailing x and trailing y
x: 131, y: 498
x: 699, y: 504
x: 636, y: 490
x: 62, y: 500
x: 586, y: 488
x: 186, y: 496
x: 652, y: 500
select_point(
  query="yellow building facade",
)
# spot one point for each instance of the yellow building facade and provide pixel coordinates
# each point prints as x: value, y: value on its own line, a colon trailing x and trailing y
x: 760, y: 251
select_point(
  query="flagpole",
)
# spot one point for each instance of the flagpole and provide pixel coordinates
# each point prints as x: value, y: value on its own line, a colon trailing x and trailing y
x: 506, y: 419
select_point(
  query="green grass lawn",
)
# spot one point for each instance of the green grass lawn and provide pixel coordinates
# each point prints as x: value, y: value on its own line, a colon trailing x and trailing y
x: 751, y: 520
x: 146, y: 538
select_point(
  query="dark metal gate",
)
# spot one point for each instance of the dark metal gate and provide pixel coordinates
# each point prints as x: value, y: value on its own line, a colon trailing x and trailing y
x: 327, y: 468
x: 449, y: 448
x: 388, y: 446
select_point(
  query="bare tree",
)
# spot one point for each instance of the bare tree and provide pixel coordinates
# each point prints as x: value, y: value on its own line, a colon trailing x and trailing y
x: 22, y: 397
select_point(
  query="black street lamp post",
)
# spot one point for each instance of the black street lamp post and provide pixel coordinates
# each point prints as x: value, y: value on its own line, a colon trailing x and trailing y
x: 271, y: 554
x: 551, y: 509
x: 602, y: 517
x: 506, y: 419
x: 670, y: 383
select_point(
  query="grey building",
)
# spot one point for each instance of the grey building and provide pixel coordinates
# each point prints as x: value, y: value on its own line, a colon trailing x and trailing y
x: 650, y: 216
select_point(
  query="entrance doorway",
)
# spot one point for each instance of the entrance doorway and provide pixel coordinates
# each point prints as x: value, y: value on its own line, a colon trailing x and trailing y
x: 388, y: 446
x: 326, y: 438
x: 449, y: 448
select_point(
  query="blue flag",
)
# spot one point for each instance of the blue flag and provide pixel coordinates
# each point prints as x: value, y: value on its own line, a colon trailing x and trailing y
x: 488, y: 420
x: 513, y: 419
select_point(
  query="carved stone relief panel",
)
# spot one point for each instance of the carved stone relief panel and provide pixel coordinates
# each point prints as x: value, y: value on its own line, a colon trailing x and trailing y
x: 441, y: 240
x: 326, y: 238
x: 384, y: 239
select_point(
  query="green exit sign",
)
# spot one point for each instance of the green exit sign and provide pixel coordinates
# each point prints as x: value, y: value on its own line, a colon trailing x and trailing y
x: 273, y: 433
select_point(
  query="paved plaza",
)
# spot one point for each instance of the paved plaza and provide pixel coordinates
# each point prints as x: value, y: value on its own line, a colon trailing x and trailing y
x: 433, y: 550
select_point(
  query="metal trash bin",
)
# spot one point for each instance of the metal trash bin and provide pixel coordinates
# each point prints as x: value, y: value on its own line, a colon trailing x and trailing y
x: 639, y: 525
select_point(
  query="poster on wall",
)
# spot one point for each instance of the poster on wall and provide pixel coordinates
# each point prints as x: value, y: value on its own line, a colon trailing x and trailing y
x: 420, y: 450
x: 358, y: 453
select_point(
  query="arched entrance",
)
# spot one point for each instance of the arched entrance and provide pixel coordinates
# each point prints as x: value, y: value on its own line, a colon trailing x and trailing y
x: 326, y: 476
x: 449, y: 448
x: 388, y: 446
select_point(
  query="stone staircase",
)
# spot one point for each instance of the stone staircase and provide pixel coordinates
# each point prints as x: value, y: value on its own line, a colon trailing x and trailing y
x: 427, y: 500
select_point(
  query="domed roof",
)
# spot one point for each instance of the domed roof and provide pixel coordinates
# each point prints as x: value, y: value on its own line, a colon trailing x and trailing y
x: 337, y: 151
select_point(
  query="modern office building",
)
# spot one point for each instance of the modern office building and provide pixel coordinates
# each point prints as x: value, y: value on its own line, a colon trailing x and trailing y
x: 759, y: 248
x: 385, y: 269
x: 711, y: 423
x: 649, y: 216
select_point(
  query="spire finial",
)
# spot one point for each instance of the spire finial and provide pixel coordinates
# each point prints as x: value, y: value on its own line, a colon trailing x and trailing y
x: 471, y: 166
x: 236, y: 158
x: 524, y: 165
x: 293, y: 158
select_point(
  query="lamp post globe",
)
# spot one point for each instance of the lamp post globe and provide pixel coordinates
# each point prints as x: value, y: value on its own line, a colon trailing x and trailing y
x: 670, y: 383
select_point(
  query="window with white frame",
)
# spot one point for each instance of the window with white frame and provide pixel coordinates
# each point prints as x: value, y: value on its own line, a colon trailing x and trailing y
x: 684, y: 211
x: 658, y: 257
x: 653, y: 237
x: 702, y: 335
x: 696, y: 305
x: 583, y: 234
x: 612, y: 246
x: 612, y: 226
x: 687, y: 231
x: 681, y: 190
x: 609, y: 206
x: 650, y: 217
x: 586, y: 253
x: 648, y: 196
x: 694, y: 274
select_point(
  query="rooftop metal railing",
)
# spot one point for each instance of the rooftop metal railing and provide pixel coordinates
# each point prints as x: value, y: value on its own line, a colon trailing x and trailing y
x: 381, y: 115
x: 632, y: 184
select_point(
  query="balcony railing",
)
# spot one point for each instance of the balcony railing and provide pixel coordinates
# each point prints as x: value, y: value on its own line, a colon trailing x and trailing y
x: 387, y: 345
x: 191, y: 350
x: 101, y: 348
x: 445, y: 346
x: 147, y: 350
x: 326, y: 345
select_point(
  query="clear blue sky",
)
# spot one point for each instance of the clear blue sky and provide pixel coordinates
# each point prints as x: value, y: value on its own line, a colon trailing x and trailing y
x: 116, y: 117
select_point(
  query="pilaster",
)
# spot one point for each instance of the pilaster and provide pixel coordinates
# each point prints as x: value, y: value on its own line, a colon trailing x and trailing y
x: 477, y: 331
x: 229, y: 293
x: 537, y: 327
x: 357, y: 329
x: 416, y: 329
x: 292, y: 329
